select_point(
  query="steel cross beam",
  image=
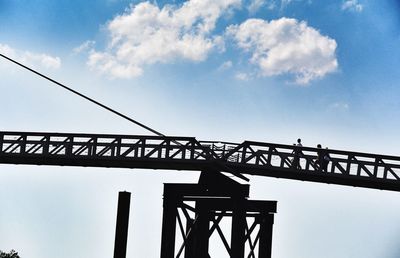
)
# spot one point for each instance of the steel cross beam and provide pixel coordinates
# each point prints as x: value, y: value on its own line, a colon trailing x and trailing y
x: 186, y: 153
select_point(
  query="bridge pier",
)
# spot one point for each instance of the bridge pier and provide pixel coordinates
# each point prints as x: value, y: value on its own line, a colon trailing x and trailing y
x: 193, y: 212
x: 265, y: 245
x: 121, y: 232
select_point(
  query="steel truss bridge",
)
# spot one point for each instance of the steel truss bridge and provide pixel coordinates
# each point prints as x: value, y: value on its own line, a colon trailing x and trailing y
x: 193, y: 207
x: 187, y: 153
x: 216, y: 196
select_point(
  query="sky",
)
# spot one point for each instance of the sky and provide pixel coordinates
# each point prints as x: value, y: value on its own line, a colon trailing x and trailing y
x: 226, y: 70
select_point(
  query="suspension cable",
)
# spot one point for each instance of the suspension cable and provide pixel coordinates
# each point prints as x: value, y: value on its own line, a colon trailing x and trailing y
x: 238, y: 174
x: 84, y: 96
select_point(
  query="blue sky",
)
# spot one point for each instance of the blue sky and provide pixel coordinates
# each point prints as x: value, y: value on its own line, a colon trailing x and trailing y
x: 325, y: 71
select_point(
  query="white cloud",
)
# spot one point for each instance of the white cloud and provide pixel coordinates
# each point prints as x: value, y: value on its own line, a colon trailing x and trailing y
x: 85, y: 46
x: 31, y: 59
x: 285, y: 3
x: 352, y: 5
x: 286, y: 46
x: 108, y: 64
x: 146, y: 34
x: 7, y: 50
x: 255, y: 5
x: 271, y: 5
x: 242, y: 76
x: 225, y: 66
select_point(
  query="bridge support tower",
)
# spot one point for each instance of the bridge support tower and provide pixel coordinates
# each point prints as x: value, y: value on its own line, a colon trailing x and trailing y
x: 216, y: 208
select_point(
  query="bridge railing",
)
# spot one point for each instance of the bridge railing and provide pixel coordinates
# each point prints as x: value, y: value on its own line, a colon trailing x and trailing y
x: 101, y: 146
x: 305, y: 159
x: 186, y: 153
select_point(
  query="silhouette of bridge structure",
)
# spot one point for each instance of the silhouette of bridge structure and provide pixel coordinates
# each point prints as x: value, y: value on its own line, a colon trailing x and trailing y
x: 186, y: 153
x: 196, y: 210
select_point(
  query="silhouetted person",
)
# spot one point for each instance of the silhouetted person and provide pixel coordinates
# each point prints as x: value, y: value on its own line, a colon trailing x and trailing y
x: 297, y: 153
x: 323, y: 158
x: 320, y: 159
x: 326, y: 159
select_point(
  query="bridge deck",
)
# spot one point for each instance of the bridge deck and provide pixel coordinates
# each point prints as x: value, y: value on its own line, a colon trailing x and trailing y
x: 186, y: 153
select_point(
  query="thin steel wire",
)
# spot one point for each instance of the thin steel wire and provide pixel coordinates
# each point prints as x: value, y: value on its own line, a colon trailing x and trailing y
x: 83, y: 96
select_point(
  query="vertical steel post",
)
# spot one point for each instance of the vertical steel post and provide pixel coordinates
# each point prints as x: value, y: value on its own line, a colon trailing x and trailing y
x: 265, y: 242
x: 121, y: 233
x: 168, y: 223
x: 238, y: 236
x: 202, y: 228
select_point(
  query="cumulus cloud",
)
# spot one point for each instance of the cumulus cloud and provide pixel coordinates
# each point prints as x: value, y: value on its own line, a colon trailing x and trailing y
x: 31, y: 59
x: 146, y: 34
x: 286, y: 46
x: 352, y: 5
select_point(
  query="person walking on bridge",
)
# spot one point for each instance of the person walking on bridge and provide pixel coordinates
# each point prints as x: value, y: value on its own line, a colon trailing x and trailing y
x: 326, y: 160
x: 323, y: 159
x: 320, y: 160
x: 297, y: 154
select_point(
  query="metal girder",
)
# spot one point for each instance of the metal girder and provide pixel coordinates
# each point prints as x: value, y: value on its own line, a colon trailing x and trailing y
x: 186, y: 153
